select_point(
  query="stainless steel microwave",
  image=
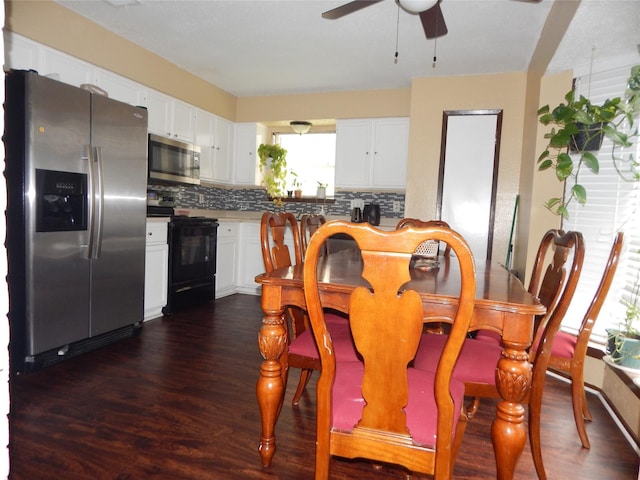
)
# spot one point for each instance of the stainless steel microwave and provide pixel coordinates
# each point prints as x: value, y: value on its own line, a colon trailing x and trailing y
x: 173, y: 161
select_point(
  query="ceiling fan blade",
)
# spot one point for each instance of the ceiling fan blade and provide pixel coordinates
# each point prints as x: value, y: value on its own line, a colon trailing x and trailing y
x: 348, y: 8
x: 433, y: 22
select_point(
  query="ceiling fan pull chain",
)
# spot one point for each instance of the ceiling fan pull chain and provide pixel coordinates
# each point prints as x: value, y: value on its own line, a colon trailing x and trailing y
x: 395, y: 61
x: 435, y: 46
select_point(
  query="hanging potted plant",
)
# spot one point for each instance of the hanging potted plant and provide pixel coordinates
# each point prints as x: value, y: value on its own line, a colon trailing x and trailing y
x: 577, y: 129
x: 624, y: 342
x: 273, y: 164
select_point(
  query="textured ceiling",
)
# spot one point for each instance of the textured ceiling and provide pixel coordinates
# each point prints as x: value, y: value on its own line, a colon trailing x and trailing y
x: 268, y: 47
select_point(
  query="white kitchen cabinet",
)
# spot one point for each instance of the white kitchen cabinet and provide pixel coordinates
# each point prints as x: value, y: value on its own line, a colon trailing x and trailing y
x: 248, y: 136
x: 372, y: 153
x: 21, y: 53
x: 156, y: 269
x: 227, y: 258
x: 214, y: 137
x: 66, y: 68
x: 222, y: 146
x: 119, y: 88
x: 170, y: 117
x: 204, y: 139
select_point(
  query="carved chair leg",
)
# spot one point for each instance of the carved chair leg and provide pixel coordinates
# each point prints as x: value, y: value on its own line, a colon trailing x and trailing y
x: 460, y: 429
x: 535, y: 408
x: 305, y: 376
x: 580, y: 408
x: 473, y: 407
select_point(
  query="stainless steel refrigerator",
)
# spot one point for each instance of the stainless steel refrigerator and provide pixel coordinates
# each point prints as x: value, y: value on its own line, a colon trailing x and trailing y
x: 76, y: 170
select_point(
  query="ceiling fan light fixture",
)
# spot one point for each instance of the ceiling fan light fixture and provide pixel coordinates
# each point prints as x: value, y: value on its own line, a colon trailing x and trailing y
x: 416, y: 6
x: 300, y: 126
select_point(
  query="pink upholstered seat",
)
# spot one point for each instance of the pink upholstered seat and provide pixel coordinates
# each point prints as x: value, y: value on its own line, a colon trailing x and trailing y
x: 305, y: 344
x: 421, y: 409
x: 477, y: 361
x: 564, y: 345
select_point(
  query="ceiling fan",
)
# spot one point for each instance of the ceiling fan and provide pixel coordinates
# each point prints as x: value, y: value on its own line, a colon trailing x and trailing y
x: 429, y: 11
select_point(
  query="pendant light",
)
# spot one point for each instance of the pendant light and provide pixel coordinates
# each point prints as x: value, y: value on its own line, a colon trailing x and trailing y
x: 300, y: 127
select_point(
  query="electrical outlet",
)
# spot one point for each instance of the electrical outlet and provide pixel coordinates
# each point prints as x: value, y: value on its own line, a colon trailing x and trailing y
x: 201, y: 198
x: 357, y: 203
x: 396, y: 206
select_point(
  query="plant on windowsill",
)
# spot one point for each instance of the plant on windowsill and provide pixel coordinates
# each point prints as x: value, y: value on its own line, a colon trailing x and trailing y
x: 321, y: 191
x: 578, y: 120
x: 624, y: 343
x: 296, y: 184
x: 273, y: 164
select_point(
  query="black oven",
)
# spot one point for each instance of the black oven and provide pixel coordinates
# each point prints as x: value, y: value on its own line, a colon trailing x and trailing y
x: 192, y: 261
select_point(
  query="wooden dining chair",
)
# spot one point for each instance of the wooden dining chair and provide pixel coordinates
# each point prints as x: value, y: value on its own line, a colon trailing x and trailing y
x: 568, y: 351
x: 414, y: 222
x: 563, y: 255
x: 380, y: 408
x: 302, y: 351
x: 309, y: 223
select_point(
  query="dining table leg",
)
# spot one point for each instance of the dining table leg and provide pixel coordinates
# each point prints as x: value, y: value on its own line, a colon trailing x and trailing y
x: 272, y: 341
x: 508, y: 431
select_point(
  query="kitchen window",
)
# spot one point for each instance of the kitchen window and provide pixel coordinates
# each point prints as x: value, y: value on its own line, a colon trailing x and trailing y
x: 312, y: 157
x: 612, y: 204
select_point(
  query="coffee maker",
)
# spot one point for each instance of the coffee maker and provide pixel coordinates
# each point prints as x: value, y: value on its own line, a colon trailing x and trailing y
x: 371, y: 213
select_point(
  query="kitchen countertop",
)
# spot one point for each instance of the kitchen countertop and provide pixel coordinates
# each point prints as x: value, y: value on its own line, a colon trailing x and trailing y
x: 251, y: 216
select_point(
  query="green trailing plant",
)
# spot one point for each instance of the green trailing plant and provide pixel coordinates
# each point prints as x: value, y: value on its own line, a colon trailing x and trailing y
x: 614, y: 119
x: 273, y: 164
x: 629, y: 329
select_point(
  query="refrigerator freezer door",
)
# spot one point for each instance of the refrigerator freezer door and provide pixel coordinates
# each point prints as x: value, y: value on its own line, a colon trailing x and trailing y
x: 119, y: 139
x: 57, y: 267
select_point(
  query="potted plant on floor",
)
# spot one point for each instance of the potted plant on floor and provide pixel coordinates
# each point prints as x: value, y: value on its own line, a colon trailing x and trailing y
x: 273, y: 164
x: 577, y: 129
x: 624, y: 343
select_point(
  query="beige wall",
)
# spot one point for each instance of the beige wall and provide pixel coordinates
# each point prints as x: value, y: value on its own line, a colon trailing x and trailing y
x: 361, y: 104
x: 429, y: 98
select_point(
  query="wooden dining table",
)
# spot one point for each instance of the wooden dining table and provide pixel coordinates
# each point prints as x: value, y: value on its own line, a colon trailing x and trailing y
x: 502, y: 304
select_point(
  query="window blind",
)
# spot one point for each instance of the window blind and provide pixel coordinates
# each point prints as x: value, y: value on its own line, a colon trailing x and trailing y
x: 613, y: 204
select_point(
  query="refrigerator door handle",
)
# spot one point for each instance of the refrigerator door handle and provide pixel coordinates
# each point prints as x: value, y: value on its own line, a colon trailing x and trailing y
x: 88, y: 155
x: 98, y: 222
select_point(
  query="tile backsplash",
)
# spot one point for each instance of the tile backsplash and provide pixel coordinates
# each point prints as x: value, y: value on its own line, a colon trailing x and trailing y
x: 255, y: 199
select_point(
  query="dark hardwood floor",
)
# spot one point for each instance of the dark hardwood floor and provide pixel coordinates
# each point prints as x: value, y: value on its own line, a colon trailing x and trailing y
x: 178, y: 402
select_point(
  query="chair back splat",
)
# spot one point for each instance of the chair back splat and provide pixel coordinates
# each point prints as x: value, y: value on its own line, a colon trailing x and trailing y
x: 308, y: 226
x: 380, y: 408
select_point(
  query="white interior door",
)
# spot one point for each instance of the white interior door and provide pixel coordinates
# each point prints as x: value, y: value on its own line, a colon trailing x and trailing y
x: 468, y: 174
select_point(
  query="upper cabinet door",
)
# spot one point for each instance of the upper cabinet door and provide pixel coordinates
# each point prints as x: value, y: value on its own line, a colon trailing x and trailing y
x: 183, y: 118
x: 353, y: 153
x: 204, y: 139
x: 390, y: 153
x: 170, y: 117
x: 158, y: 106
x: 119, y: 88
x: 248, y: 136
x: 222, y: 143
x: 372, y: 153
